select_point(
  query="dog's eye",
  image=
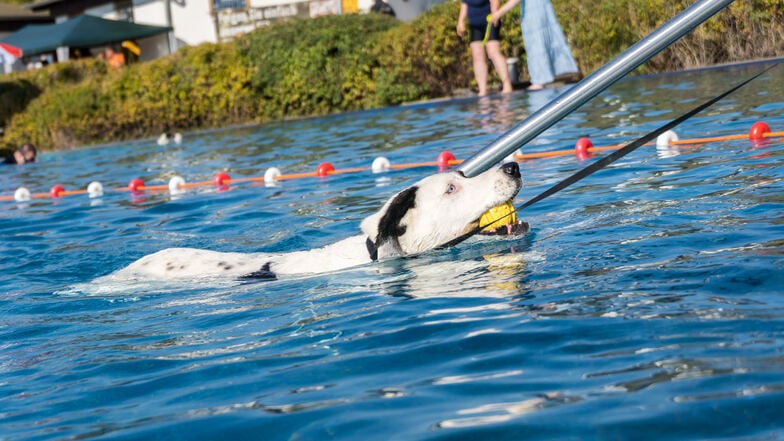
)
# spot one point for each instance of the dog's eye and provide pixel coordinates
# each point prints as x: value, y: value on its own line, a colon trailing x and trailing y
x: 450, y: 188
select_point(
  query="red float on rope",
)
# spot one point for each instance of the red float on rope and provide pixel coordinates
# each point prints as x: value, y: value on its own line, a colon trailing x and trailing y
x: 444, y: 158
x: 135, y: 185
x: 758, y: 130
x: 56, y: 191
x: 324, y: 169
x: 221, y: 179
x: 582, y: 149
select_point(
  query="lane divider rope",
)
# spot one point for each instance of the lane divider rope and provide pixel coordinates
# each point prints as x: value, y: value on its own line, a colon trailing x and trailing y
x: 584, y: 149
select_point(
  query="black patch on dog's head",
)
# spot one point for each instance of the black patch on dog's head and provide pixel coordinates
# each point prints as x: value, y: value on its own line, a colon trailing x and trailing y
x: 389, y: 228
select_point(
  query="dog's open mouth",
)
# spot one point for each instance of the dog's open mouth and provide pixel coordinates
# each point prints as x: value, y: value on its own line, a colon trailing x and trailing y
x: 502, y: 220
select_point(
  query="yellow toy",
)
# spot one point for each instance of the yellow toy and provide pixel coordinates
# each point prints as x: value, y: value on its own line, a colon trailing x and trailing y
x: 498, y: 216
x: 487, y: 31
x: 131, y: 46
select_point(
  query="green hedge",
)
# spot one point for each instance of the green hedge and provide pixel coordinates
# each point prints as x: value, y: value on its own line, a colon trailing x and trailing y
x: 201, y: 86
x: 15, y: 95
x: 746, y: 30
x: 19, y: 89
x: 341, y: 63
x: 315, y: 66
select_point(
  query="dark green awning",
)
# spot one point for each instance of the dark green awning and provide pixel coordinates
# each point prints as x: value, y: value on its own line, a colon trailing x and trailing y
x: 84, y: 31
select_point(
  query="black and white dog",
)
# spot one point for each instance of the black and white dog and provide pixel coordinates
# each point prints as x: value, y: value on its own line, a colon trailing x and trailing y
x: 432, y: 212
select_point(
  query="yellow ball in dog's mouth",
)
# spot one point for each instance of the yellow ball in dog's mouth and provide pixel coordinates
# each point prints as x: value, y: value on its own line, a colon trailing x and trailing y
x: 498, y: 216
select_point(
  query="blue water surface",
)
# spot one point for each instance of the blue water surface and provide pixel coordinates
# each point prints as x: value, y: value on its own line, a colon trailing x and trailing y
x: 645, y: 302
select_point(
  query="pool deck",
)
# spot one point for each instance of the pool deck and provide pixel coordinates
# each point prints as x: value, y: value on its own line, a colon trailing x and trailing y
x: 522, y: 85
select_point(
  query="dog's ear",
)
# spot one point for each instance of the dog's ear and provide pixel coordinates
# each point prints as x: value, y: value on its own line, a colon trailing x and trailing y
x: 384, y: 228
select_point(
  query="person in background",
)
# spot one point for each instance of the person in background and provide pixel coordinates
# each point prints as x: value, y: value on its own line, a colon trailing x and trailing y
x: 547, y: 51
x: 115, y: 59
x: 26, y: 153
x: 477, y: 12
x: 131, y: 51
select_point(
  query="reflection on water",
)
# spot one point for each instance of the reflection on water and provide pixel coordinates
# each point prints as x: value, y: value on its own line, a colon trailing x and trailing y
x: 502, y: 412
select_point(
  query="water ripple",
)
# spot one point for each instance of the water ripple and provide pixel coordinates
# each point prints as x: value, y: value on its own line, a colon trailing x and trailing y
x: 644, y: 302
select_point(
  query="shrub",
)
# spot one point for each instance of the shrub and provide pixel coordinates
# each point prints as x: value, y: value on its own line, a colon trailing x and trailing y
x: 598, y: 30
x: 19, y: 89
x: 315, y: 66
x: 201, y: 86
x: 63, y: 117
x: 426, y: 59
x: 15, y: 95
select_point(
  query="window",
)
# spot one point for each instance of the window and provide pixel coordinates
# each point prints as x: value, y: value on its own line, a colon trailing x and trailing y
x: 229, y: 4
x: 124, y: 10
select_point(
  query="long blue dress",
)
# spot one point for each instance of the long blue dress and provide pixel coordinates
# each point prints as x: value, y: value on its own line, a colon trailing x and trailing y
x: 546, y: 48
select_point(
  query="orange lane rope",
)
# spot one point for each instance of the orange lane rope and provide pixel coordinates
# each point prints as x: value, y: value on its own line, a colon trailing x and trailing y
x: 583, y: 149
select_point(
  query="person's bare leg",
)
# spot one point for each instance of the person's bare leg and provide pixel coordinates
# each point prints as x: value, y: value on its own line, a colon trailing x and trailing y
x: 499, y: 61
x: 480, y: 66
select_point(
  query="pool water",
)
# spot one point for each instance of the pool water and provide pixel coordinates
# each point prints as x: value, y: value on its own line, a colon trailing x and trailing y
x: 645, y: 303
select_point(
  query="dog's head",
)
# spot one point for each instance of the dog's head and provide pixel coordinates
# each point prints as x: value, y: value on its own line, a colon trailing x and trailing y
x: 438, y: 209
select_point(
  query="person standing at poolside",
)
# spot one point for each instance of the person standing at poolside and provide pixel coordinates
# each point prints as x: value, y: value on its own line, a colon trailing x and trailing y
x: 547, y: 51
x: 477, y: 11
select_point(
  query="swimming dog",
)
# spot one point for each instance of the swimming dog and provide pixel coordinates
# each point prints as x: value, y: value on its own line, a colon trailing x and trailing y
x: 430, y: 213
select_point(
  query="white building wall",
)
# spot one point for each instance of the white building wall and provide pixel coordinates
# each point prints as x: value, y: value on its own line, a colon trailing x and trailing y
x: 191, y: 19
x: 149, y: 12
x: 193, y: 22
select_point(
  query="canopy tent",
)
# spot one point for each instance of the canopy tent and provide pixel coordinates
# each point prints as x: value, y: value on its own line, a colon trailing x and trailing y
x: 82, y: 32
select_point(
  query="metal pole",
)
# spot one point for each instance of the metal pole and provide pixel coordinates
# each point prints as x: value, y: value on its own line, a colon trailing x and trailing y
x: 170, y: 23
x: 592, y: 85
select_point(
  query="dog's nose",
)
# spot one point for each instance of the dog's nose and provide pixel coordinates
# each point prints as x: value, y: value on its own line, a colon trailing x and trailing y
x: 512, y: 169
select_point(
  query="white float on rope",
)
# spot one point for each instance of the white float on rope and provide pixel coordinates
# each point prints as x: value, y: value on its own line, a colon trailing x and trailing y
x: 270, y: 175
x: 380, y: 164
x: 22, y: 194
x: 176, y: 185
x: 95, y: 189
x: 666, y: 138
